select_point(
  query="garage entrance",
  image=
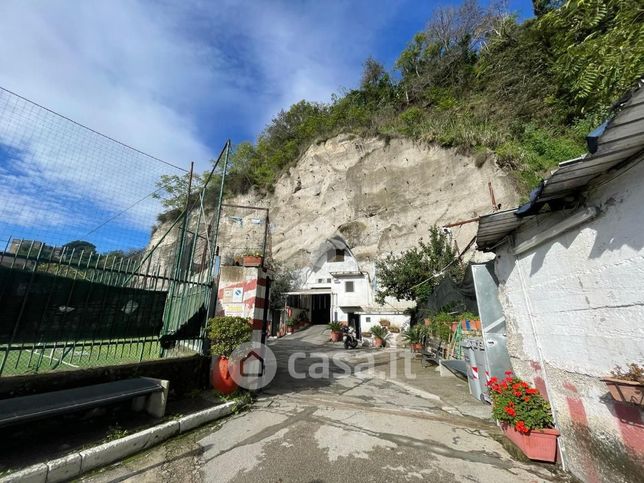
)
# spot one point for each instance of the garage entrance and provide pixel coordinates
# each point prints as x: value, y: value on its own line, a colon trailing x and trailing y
x: 321, y: 308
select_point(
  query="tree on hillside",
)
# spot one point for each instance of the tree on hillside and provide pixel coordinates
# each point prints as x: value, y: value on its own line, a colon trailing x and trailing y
x: 541, y: 7
x: 372, y: 73
x: 598, y: 51
x: 475, y: 79
x: 415, y: 273
x: 80, y: 246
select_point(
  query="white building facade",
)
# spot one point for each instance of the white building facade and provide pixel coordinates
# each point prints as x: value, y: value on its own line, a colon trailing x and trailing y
x: 337, y: 288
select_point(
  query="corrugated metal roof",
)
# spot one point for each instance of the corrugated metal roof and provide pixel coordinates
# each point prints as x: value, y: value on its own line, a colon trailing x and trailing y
x: 618, y: 140
x: 495, y: 227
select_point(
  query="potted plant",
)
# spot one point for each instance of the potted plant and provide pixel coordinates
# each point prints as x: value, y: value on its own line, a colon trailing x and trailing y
x: 524, y: 416
x: 379, y: 335
x: 336, y: 331
x: 252, y: 258
x: 414, y: 336
x: 226, y: 334
x: 290, y: 325
x: 626, y: 386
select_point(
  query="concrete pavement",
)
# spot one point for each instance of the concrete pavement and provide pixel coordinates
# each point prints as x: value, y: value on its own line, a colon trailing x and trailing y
x: 349, y: 427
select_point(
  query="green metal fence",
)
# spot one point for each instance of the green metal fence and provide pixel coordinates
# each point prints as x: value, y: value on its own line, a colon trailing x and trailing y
x: 70, y: 305
x: 67, y: 312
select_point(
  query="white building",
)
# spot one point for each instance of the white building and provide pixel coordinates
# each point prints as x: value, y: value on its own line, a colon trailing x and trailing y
x: 337, y: 288
x: 570, y: 268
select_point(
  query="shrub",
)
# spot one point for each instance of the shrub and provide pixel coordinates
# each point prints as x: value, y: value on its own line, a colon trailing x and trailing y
x: 634, y: 373
x: 521, y: 406
x: 227, y: 333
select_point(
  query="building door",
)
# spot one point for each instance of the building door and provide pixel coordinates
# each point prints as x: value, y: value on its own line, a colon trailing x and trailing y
x: 321, y: 308
x: 354, y: 321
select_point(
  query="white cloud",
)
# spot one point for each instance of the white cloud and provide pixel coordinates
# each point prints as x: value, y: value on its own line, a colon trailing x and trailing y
x: 172, y: 79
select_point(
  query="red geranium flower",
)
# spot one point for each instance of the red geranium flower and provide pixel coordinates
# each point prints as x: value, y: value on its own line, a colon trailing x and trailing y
x: 521, y: 427
x: 507, y: 373
x: 532, y: 391
x: 510, y: 411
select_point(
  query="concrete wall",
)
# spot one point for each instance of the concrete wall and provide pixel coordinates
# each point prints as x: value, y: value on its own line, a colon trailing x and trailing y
x: 242, y: 293
x: 575, y: 309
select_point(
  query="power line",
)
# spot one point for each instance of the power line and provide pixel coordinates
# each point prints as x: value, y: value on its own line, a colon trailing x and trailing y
x: 94, y: 131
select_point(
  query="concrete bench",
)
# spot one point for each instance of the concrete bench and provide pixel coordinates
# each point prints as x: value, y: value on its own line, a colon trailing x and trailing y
x: 145, y: 393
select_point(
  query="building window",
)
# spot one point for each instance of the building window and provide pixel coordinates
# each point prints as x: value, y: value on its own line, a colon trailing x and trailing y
x: 320, y: 280
x: 348, y: 286
x: 368, y: 319
x: 337, y: 256
x: 328, y: 280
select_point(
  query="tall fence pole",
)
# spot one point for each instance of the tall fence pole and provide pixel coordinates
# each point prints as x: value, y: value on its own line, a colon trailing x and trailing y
x: 215, y: 283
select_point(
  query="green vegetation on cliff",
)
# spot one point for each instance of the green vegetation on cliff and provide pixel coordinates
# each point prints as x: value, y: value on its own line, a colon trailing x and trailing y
x: 478, y: 80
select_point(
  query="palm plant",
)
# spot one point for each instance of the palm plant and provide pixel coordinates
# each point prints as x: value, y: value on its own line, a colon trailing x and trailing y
x: 379, y: 332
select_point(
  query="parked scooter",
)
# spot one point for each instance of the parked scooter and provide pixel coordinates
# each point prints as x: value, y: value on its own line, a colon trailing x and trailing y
x: 349, y: 336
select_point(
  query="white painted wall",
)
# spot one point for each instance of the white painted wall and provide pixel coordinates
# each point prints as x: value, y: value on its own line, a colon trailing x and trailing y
x: 575, y: 309
x: 399, y: 320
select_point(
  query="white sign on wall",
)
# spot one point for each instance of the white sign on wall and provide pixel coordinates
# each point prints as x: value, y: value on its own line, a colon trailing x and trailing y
x: 238, y: 294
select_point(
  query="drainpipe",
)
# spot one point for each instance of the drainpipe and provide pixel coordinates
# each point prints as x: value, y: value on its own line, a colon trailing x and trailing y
x: 526, y: 298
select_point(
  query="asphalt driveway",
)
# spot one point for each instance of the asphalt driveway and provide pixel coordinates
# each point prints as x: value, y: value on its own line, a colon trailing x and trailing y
x: 351, y: 426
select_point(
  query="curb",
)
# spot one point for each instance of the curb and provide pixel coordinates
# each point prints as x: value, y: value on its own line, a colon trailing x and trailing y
x: 77, y: 463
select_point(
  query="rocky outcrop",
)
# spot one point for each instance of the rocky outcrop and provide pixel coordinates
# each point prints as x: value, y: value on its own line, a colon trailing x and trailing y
x: 380, y: 196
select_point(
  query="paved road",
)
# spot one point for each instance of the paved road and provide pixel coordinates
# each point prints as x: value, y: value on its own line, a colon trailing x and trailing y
x: 352, y: 427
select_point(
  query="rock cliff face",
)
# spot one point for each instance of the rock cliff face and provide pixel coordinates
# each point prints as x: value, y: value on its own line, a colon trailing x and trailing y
x: 378, y: 196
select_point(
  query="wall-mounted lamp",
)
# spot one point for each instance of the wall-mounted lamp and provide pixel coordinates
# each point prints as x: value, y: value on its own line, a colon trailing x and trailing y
x: 555, y: 230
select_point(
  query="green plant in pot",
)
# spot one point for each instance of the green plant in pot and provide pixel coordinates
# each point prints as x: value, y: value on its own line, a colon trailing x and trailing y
x: 226, y: 334
x: 336, y: 331
x: 290, y: 325
x: 380, y: 334
x: 414, y: 336
x: 525, y: 417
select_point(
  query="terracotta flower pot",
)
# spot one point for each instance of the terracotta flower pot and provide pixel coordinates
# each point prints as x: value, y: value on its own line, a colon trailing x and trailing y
x: 336, y: 336
x: 538, y: 444
x: 625, y: 391
x: 290, y: 329
x: 416, y: 346
x: 251, y: 261
x: 377, y: 342
x: 220, y: 376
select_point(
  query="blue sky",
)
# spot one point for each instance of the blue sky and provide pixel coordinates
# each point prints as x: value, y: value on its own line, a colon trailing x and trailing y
x: 176, y: 79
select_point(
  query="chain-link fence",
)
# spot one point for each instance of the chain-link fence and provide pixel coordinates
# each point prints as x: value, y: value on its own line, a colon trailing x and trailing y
x: 79, y: 285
